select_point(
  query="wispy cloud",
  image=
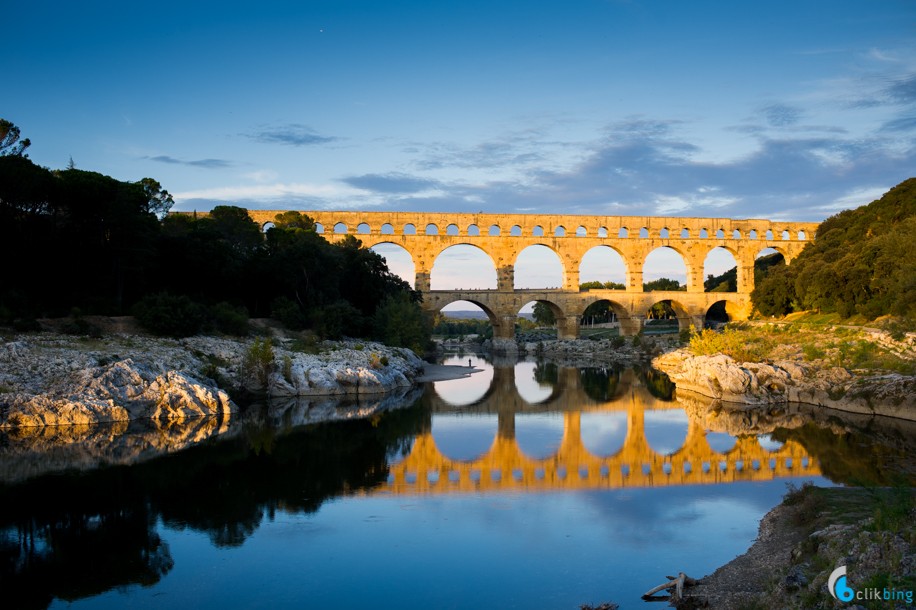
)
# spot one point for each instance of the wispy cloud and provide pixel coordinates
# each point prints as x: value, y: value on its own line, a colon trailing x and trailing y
x: 391, y: 183
x: 292, y: 134
x: 204, y: 163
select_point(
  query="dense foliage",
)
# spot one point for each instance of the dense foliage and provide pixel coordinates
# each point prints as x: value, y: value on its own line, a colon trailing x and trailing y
x: 77, y: 239
x: 861, y: 262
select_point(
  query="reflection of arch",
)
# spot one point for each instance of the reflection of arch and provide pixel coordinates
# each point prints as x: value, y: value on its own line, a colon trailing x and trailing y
x: 604, y: 434
x: 472, y: 257
x: 462, y: 438
x: 721, y: 442
x: 530, y: 389
x: 539, y: 435
x: 668, y: 431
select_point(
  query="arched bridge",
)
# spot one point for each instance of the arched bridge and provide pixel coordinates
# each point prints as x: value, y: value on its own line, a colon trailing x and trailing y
x: 505, y: 466
x: 504, y: 236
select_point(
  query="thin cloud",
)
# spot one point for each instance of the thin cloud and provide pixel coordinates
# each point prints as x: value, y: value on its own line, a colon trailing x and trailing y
x: 204, y: 163
x: 293, y: 134
x: 391, y: 183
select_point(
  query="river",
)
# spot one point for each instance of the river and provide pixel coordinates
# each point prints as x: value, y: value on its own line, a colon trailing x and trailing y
x: 527, y: 485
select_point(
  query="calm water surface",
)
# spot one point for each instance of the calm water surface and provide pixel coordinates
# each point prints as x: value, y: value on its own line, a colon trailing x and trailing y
x: 524, y: 486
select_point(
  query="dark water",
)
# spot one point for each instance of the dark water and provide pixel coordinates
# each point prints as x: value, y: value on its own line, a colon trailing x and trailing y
x: 525, y: 486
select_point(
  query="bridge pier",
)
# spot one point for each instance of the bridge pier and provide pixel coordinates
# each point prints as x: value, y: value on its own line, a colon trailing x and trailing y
x: 630, y: 327
x: 568, y: 327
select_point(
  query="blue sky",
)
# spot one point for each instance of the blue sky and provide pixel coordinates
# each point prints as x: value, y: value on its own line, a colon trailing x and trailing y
x: 781, y: 109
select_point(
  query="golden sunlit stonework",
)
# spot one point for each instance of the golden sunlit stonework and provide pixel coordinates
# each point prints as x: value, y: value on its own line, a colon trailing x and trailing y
x: 425, y: 469
x: 503, y: 237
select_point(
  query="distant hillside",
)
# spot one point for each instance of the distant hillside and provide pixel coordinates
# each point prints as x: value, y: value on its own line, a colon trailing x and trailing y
x: 476, y: 314
x: 862, y: 261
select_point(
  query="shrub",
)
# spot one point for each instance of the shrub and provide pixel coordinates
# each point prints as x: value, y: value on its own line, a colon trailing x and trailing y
x: 230, y: 319
x: 169, y: 315
x: 259, y: 361
x: 618, y: 342
x: 288, y: 313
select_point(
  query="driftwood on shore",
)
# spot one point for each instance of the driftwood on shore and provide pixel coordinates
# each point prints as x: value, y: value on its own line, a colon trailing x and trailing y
x: 677, y: 583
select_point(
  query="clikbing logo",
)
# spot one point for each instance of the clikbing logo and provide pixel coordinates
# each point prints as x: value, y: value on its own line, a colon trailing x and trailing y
x: 841, y: 590
x: 837, y: 586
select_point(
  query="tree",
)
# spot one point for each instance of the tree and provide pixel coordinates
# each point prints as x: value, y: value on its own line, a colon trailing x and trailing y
x: 159, y: 201
x: 543, y: 314
x: 662, y: 284
x: 10, y: 144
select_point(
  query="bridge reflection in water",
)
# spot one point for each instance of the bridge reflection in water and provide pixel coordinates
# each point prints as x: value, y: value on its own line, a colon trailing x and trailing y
x: 505, y: 467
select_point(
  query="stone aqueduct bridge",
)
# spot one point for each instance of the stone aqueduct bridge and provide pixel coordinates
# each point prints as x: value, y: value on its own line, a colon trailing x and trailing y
x: 503, y: 236
x: 425, y: 469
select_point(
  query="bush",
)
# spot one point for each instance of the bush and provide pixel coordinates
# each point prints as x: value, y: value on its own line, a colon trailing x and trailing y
x: 230, y: 319
x: 288, y: 313
x: 169, y: 315
x: 335, y: 320
x: 259, y: 361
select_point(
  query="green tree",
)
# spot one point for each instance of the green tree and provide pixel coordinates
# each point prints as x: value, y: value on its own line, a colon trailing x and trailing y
x: 662, y: 284
x: 543, y: 314
x: 10, y: 144
x: 399, y: 321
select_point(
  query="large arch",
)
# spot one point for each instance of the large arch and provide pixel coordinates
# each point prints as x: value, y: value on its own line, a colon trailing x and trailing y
x: 463, y: 267
x: 398, y: 259
x: 665, y: 262
x: 721, y: 262
x: 542, y: 265
x: 603, y: 264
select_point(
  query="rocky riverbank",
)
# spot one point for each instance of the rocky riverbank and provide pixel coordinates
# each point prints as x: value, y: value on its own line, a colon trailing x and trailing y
x: 785, y: 381
x: 52, y: 379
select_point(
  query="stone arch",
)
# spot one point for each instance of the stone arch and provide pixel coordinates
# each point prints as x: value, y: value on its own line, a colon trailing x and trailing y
x: 319, y: 228
x: 643, y: 233
x: 704, y: 234
x: 671, y: 307
x: 455, y: 269
x: 546, y: 264
x: 432, y: 229
x: 341, y: 228
x: 685, y: 233
x: 560, y: 231
x: 719, y: 312
x: 387, y: 229
x: 720, y: 234
x: 611, y: 311
x: 363, y: 228
x: 452, y: 229
x: 515, y: 231
x: 602, y: 231
x: 399, y: 260
x: 785, y: 235
x: 473, y: 230
x: 409, y: 229
x: 623, y: 232
x: 801, y: 235
x: 670, y: 265
x: 494, y: 231
x: 664, y: 233
x: 267, y: 226
x: 581, y: 231
x: 752, y: 234
x: 769, y: 235
x: 736, y: 234
x: 719, y: 261
x: 537, y: 231
x: 604, y: 263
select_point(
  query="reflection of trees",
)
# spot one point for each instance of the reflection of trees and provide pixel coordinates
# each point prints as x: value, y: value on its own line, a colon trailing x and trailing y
x: 658, y: 384
x: 547, y: 373
x: 600, y: 384
x: 854, y: 457
x: 73, y: 536
x: 59, y: 539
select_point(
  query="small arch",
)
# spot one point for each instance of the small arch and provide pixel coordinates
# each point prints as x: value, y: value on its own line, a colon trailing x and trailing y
x: 432, y: 229
x: 717, y: 314
x: 581, y: 231
x: 452, y: 229
x: 623, y: 232
x: 602, y: 231
x: 752, y: 234
x: 387, y: 229
x: 704, y: 234
x: 769, y: 234
x: 643, y: 233
x: 515, y: 231
x: 363, y: 228
x: 410, y: 229
x: 720, y: 234
x: 494, y: 231
x: 664, y: 234
x: 319, y: 228
x: 785, y: 236
x: 802, y: 236
x: 267, y: 227
x: 685, y: 233
x: 736, y: 234
x: 560, y: 231
x: 473, y: 231
x: 538, y: 231
x: 340, y: 228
